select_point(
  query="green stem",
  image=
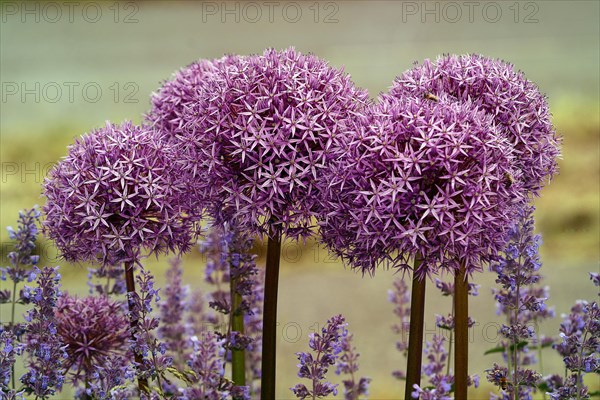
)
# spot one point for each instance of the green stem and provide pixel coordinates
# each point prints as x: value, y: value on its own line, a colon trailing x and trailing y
x: 12, y: 326
x: 514, y: 346
x: 238, y: 362
x: 461, y: 330
x: 579, y: 378
x: 268, y: 376
x: 541, y: 364
x: 133, y: 322
x: 450, y: 344
x: 415, y: 335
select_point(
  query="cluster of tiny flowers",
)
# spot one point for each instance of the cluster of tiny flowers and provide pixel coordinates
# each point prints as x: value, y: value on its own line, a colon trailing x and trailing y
x: 118, y: 191
x: 579, y: 347
x: 419, y: 177
x: 519, y: 110
x: 215, y: 247
x: 437, y: 370
x: 260, y: 137
x: 441, y: 383
x: 175, y: 104
x: 521, y: 302
x: 95, y: 330
x: 447, y: 289
x: 10, y: 348
x: 399, y: 296
x: 228, y: 252
x: 347, y: 364
x: 327, y: 346
x: 155, y: 361
x: 46, y: 353
x: 503, y: 378
x: 208, y: 366
x: 253, y: 328
x: 172, y: 329
x: 107, y: 280
x: 22, y: 255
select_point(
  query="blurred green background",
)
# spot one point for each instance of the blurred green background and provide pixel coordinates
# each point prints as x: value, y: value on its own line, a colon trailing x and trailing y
x: 68, y: 67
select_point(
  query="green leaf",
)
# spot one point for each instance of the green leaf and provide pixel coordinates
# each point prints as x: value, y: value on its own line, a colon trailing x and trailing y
x: 501, y: 349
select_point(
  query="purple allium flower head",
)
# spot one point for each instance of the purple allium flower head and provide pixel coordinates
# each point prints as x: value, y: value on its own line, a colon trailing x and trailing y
x: 327, y: 345
x: 177, y: 100
x: 519, y: 110
x: 46, y: 352
x: 419, y: 177
x: 95, y: 329
x: 262, y: 138
x: 117, y: 191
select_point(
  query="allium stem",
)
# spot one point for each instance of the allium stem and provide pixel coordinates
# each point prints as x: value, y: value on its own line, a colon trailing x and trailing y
x: 269, y: 348
x: 133, y: 322
x: 238, y: 362
x: 461, y: 330
x: 415, y: 337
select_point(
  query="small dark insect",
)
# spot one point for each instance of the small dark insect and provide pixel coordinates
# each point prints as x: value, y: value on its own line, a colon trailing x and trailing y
x: 430, y: 96
x: 508, y: 179
x: 503, y: 383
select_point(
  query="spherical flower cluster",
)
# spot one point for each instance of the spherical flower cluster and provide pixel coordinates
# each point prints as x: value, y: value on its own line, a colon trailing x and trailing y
x: 177, y: 99
x: 423, y: 178
x: 519, y: 110
x: 95, y: 330
x: 117, y: 191
x: 262, y: 135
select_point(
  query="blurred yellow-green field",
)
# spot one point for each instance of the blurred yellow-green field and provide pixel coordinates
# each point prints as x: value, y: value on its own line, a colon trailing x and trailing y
x: 65, y: 68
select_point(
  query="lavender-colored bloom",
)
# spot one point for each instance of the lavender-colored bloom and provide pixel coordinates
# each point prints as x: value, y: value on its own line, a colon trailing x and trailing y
x: 521, y: 302
x: 519, y: 110
x: 46, y: 353
x: 9, y: 349
x: 262, y: 135
x: 441, y: 383
x: 172, y: 329
x: 22, y: 255
x: 347, y: 364
x: 109, y: 380
x: 155, y: 361
x: 327, y: 345
x: 94, y: 329
x: 580, y: 348
x: 416, y: 176
x: 525, y: 378
x: 400, y: 297
x: 116, y: 192
x: 207, y: 363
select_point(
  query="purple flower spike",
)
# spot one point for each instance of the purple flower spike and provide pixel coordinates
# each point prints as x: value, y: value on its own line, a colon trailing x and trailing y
x: 46, y: 352
x: 262, y: 138
x: 117, y: 191
x: 519, y: 110
x: 418, y: 176
x: 327, y: 345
